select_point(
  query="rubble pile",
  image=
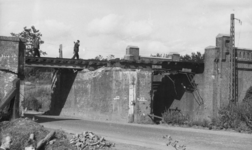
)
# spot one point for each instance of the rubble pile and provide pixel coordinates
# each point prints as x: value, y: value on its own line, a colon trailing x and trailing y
x: 88, y: 140
x: 20, y: 130
x: 174, y: 143
x: 27, y: 134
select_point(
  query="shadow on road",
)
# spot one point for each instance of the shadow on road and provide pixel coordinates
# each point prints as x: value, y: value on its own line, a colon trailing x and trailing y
x: 42, y: 118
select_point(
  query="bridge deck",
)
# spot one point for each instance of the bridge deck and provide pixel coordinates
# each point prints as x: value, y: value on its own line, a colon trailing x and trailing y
x: 92, y: 64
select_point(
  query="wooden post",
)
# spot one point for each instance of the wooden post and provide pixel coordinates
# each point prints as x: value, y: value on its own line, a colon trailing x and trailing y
x: 60, y: 51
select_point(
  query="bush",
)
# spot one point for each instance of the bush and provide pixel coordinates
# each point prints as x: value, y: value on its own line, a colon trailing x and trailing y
x: 237, y: 117
x: 36, y: 98
x: 174, y: 117
x: 31, y: 103
x: 44, y: 97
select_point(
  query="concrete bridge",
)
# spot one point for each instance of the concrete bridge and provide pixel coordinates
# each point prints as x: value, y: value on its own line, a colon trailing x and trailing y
x: 129, y: 90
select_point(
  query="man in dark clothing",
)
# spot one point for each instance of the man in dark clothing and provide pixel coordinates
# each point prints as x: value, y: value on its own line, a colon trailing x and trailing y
x: 36, y: 47
x: 76, y: 49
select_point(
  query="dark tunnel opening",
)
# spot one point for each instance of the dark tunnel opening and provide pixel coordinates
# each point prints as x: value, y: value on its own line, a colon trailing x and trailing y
x: 167, y: 89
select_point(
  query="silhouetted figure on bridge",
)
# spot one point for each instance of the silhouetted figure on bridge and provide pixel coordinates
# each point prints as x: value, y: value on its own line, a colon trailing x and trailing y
x: 76, y: 49
x: 36, y: 46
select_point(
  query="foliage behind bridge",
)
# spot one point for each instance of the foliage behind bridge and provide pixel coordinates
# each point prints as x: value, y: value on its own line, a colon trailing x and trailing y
x: 30, y: 35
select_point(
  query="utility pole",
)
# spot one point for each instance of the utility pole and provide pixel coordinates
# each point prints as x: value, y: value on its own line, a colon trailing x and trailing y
x: 233, y: 77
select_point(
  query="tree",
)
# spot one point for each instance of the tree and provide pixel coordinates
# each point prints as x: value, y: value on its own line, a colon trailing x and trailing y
x: 157, y: 55
x: 99, y: 57
x: 195, y: 57
x: 186, y: 57
x: 29, y: 35
x: 109, y: 57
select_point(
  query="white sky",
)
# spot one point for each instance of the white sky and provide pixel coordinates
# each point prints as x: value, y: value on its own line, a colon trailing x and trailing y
x: 106, y: 27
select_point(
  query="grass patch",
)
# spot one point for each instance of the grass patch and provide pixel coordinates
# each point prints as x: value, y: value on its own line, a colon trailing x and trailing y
x: 174, y: 117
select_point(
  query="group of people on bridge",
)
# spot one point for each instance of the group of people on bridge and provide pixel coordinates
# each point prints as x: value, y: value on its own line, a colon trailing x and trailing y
x: 36, y: 46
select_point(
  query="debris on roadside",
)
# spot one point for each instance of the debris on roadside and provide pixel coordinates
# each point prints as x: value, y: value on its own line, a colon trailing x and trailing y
x: 30, y: 143
x: 89, y: 140
x: 174, y: 143
x: 29, y: 135
x: 45, y: 140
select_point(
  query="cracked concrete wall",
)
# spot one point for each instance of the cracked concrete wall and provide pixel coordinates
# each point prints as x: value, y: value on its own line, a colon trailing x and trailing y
x: 8, y: 60
x: 105, y: 94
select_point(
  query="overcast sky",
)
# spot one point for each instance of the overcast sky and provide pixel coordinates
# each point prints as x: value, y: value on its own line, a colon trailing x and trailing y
x: 106, y: 27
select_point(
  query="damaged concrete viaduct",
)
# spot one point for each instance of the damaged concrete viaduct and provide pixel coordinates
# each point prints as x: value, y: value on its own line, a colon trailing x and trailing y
x: 129, y: 90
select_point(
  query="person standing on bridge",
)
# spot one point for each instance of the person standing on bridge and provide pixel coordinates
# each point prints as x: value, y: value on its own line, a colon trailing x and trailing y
x: 76, y: 49
x: 36, y: 46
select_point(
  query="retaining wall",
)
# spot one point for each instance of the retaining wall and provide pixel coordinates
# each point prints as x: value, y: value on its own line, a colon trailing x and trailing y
x: 8, y: 61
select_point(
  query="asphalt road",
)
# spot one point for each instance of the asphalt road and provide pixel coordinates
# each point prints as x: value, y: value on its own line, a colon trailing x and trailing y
x: 149, y: 137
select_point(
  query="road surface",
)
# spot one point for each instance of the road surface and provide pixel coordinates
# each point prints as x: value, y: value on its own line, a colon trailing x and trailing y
x: 149, y: 137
